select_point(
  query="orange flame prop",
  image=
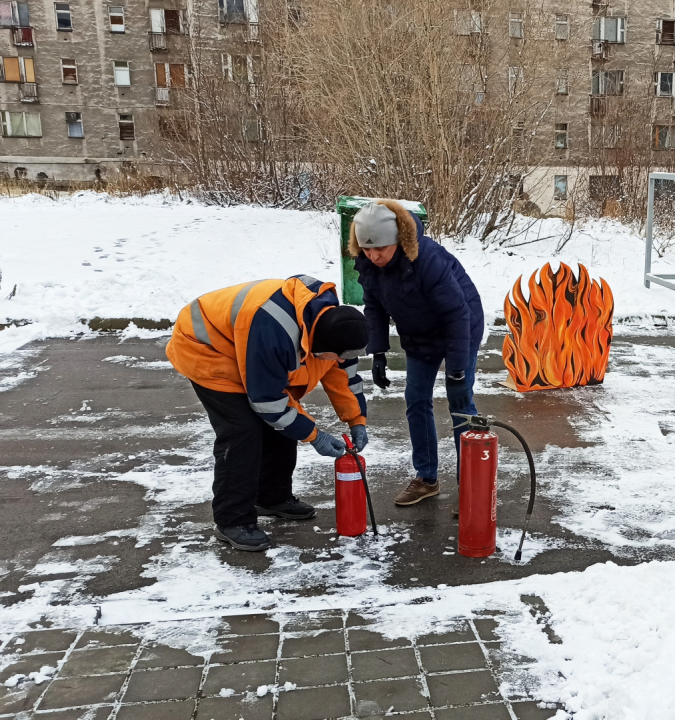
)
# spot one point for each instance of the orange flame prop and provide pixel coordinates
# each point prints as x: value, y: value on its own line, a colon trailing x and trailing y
x: 562, y: 334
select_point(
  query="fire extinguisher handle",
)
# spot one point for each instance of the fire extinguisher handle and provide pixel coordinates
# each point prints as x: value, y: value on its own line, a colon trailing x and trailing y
x: 345, y: 437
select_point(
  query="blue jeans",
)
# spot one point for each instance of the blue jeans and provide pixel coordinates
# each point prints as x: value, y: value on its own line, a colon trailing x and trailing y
x: 419, y: 389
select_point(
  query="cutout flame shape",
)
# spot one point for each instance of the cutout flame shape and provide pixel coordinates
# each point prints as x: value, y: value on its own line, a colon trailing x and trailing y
x: 561, y: 336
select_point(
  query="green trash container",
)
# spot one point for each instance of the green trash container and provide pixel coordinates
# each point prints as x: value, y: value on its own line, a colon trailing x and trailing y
x: 346, y: 207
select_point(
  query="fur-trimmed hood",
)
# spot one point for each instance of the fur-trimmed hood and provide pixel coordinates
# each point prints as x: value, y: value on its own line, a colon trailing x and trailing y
x: 407, y: 231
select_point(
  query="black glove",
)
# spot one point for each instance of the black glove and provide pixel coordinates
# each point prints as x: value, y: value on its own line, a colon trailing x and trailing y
x: 459, y: 393
x: 379, y: 373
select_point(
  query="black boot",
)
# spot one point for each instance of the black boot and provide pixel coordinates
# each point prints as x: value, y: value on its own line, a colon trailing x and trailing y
x: 244, y: 537
x: 292, y: 509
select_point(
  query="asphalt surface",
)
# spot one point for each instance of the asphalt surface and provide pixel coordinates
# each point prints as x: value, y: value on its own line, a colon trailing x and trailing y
x: 59, y: 474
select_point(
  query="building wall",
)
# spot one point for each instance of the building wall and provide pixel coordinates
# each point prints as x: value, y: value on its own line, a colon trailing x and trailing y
x: 95, y: 48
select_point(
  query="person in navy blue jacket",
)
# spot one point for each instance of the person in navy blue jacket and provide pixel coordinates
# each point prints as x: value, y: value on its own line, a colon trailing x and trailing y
x: 417, y: 283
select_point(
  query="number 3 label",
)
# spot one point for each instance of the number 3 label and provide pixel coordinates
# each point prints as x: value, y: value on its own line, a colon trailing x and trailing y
x: 486, y: 455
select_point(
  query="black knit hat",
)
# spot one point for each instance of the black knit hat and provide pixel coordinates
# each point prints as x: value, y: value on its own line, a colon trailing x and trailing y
x: 339, y: 329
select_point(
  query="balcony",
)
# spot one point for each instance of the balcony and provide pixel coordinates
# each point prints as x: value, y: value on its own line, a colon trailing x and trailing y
x: 600, y: 50
x: 22, y: 36
x: 157, y: 42
x: 161, y: 96
x: 253, y: 32
x: 28, y: 92
x: 598, y: 106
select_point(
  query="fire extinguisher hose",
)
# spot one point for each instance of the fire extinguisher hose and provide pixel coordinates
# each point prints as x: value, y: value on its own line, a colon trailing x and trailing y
x: 356, y: 457
x: 533, y: 483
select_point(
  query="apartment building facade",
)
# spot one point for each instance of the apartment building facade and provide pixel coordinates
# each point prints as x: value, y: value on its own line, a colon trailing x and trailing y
x: 86, y: 85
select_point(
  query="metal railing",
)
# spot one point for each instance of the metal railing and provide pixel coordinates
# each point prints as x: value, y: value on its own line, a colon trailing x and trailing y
x: 28, y: 92
x: 161, y: 96
x: 650, y: 277
x: 22, y: 36
x: 157, y: 41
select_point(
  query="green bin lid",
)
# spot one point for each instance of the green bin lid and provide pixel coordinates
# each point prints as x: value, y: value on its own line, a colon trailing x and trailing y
x: 349, y: 205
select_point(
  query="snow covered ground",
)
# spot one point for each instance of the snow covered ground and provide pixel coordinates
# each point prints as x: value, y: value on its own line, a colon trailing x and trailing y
x: 95, y: 256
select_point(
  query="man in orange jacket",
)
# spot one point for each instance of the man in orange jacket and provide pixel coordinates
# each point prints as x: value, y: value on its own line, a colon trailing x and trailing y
x: 251, y: 352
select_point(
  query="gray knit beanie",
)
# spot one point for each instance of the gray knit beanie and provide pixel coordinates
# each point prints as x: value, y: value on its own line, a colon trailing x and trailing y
x: 375, y: 226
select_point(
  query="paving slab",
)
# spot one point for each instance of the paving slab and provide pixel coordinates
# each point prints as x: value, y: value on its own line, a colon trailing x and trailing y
x: 80, y: 691
x: 163, y: 656
x: 462, y: 688
x: 322, y: 670
x: 385, y: 696
x: 462, y: 656
x: 235, y: 708
x: 170, y: 684
x: 181, y: 710
x: 384, y: 664
x: 99, y: 661
x: 314, y: 704
x: 255, y: 647
x: 239, y: 677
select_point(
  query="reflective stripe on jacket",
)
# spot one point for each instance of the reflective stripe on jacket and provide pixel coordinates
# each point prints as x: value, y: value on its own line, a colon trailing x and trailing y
x: 254, y: 338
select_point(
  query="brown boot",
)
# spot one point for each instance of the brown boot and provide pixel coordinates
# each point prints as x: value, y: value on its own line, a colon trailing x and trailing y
x: 416, y: 491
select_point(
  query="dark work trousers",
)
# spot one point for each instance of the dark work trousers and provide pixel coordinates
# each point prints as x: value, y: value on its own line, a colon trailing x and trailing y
x: 254, y: 462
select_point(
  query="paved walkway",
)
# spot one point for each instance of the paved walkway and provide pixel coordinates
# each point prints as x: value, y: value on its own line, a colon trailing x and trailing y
x: 292, y: 667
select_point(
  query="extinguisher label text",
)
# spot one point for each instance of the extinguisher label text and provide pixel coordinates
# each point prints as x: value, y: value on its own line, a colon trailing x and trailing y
x: 493, y: 512
x: 348, y: 477
x: 480, y: 436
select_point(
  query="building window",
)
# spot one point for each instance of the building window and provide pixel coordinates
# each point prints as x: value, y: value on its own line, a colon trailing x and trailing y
x: 116, y: 18
x: 665, y: 32
x: 17, y: 69
x: 64, y: 21
x: 605, y: 137
x: 604, y: 187
x: 560, y: 187
x: 21, y: 124
x: 74, y: 123
x: 562, y: 27
x: 14, y: 14
x: 69, y: 72
x: 516, y: 24
x: 664, y: 137
x: 607, y: 82
x: 232, y: 11
x: 515, y: 79
x: 610, y: 29
x: 561, y: 136
x: 562, y: 86
x: 468, y: 22
x: 126, y: 126
x: 122, y: 74
x: 664, y: 84
x: 170, y: 75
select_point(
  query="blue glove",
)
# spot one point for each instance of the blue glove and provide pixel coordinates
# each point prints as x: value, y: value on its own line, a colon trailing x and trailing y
x: 328, y: 446
x: 459, y: 393
x: 359, y: 437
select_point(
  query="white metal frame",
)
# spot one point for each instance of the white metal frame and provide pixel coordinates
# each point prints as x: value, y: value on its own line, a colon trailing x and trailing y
x: 650, y: 277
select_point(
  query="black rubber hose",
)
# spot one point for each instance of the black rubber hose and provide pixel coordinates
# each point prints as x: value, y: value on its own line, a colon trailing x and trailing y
x: 365, y: 485
x: 533, y: 483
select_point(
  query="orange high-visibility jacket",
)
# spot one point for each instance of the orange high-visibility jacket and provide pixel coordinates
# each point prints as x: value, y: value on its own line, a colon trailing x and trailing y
x: 255, y: 338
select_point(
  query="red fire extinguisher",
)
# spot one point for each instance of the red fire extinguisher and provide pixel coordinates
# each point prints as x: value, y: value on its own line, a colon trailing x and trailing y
x: 477, y: 493
x: 351, y: 493
x: 478, y: 461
